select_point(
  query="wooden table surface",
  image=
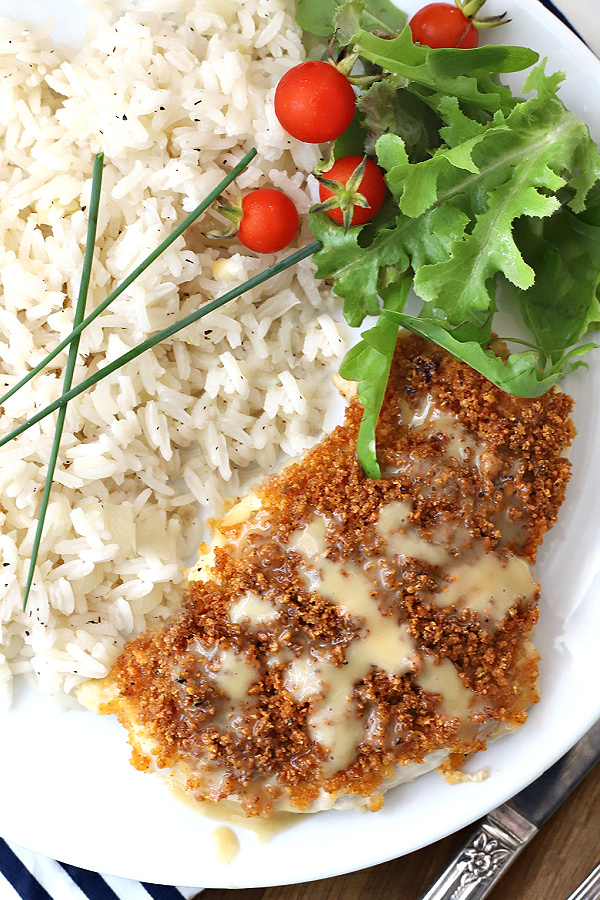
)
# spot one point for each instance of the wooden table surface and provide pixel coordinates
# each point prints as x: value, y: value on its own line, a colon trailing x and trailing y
x: 550, y: 868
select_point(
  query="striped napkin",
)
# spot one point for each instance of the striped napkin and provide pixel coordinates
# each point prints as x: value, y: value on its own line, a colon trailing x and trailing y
x: 25, y: 875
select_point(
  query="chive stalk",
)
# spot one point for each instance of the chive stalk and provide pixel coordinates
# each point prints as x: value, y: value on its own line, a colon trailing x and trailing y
x: 273, y: 270
x: 79, y: 327
x: 70, y: 366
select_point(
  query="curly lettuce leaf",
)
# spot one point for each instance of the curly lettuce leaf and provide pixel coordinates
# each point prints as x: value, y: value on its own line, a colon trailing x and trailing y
x: 490, y: 189
x: 562, y: 305
x: 454, y: 224
x: 360, y: 272
x: 386, y: 108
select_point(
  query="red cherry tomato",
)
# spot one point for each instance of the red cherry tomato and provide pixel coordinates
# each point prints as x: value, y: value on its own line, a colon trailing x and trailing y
x: 269, y: 220
x: 372, y: 187
x: 443, y: 25
x: 314, y: 102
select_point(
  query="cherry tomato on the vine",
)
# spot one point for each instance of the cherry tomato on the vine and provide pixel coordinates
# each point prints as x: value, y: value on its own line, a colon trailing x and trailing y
x: 314, y: 102
x: 443, y: 25
x: 371, y: 186
x: 269, y: 220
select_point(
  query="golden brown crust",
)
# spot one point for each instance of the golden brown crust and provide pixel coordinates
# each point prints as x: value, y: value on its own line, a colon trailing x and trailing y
x: 502, y: 492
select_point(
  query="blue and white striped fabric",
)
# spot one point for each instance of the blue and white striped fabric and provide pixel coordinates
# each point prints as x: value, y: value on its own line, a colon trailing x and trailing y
x: 25, y: 875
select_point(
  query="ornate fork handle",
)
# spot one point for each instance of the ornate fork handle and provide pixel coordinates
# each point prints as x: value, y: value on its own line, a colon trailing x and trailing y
x: 492, y: 848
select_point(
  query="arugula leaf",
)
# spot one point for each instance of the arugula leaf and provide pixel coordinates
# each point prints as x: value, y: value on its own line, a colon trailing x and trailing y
x: 464, y: 74
x: 519, y: 374
x: 369, y: 363
x: 317, y: 16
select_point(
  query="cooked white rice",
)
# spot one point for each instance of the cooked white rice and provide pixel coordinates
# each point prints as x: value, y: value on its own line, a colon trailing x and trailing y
x: 173, y: 100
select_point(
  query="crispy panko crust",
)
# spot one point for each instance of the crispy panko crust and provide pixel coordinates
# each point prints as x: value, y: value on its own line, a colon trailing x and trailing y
x: 500, y: 488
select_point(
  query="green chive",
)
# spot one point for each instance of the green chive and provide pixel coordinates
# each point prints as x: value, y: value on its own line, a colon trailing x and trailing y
x: 280, y: 266
x: 136, y: 272
x: 90, y: 242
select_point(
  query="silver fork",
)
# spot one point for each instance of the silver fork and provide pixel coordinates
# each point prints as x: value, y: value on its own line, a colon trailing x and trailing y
x: 590, y: 888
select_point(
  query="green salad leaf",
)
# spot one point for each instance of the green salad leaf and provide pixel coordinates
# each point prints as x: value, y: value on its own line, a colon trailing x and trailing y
x: 562, y: 305
x: 487, y: 189
x: 369, y: 363
x: 469, y: 75
x: 386, y: 108
x: 317, y: 16
x: 520, y: 374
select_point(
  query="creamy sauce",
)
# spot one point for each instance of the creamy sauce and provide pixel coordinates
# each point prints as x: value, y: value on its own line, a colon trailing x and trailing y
x: 229, y: 813
x: 487, y: 584
x: 443, y: 679
x: 253, y: 610
x: 232, y: 672
x: 302, y: 678
x: 227, y: 844
x: 431, y: 419
x: 403, y: 539
x: 383, y: 644
x: 477, y: 580
x: 480, y: 581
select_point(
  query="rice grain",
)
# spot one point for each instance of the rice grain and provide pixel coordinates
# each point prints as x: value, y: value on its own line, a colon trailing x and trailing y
x: 173, y: 98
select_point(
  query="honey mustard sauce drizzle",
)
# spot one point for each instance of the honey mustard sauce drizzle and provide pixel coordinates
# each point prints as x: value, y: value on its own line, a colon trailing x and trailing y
x: 470, y: 578
x: 227, y: 844
x: 383, y: 645
x: 230, y: 818
x: 429, y: 417
x: 234, y: 674
x: 487, y: 584
x: 481, y: 581
x: 456, y: 700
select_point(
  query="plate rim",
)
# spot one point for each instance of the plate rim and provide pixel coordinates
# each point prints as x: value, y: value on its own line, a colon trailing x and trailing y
x: 227, y: 878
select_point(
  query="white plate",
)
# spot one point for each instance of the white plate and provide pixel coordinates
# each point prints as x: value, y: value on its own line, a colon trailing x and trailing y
x: 68, y: 790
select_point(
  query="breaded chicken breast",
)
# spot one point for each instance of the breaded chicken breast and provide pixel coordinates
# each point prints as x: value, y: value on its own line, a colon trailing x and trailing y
x: 344, y: 634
